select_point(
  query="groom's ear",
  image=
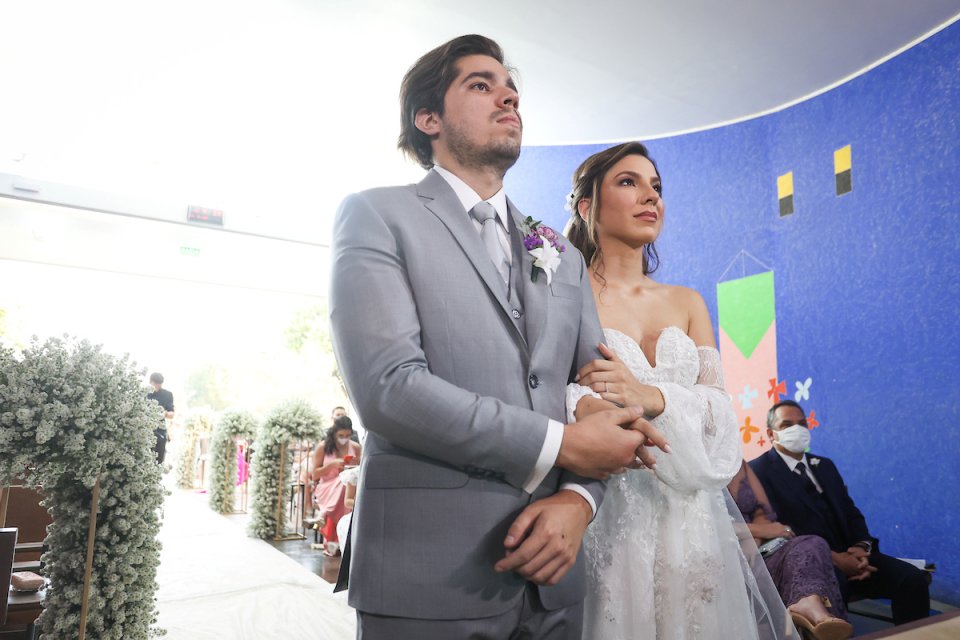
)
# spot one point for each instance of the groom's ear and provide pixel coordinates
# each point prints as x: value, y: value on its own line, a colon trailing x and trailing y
x: 427, y: 122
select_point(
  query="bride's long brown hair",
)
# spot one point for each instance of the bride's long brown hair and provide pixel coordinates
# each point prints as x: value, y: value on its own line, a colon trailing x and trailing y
x: 582, y: 230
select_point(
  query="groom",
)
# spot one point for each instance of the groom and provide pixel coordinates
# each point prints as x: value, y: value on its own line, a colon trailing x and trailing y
x: 474, y: 495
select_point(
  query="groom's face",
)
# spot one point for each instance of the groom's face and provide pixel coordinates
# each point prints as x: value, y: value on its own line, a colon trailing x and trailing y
x: 481, y: 124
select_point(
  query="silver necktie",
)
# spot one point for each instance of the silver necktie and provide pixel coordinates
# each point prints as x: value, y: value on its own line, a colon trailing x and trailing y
x: 484, y: 213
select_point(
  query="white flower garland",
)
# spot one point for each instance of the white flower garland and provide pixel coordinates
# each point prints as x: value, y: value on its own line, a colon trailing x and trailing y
x: 69, y: 412
x: 223, y: 457
x: 197, y: 424
x: 291, y: 421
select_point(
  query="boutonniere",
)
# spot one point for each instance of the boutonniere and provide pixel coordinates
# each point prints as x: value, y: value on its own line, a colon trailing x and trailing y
x: 814, y: 462
x: 543, y: 245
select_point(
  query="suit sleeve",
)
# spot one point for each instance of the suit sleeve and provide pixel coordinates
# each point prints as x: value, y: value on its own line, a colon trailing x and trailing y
x: 377, y: 342
x: 591, y: 335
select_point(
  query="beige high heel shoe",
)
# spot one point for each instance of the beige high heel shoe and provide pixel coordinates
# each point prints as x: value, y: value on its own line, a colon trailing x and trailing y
x: 829, y: 629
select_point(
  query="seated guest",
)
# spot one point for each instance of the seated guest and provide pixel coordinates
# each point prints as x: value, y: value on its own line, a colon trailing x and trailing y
x: 809, y: 495
x: 349, y: 477
x: 328, y: 461
x: 801, y: 566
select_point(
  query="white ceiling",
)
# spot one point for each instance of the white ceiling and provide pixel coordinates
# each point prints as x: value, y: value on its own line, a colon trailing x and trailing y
x: 274, y: 109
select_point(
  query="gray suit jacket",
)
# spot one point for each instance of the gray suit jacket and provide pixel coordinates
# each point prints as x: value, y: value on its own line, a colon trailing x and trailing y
x: 454, y: 382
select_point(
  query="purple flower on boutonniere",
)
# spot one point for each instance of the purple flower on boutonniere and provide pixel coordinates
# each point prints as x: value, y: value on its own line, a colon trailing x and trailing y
x: 543, y: 245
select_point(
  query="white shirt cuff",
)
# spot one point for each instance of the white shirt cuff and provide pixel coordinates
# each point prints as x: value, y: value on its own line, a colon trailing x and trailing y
x: 569, y: 486
x: 547, y: 458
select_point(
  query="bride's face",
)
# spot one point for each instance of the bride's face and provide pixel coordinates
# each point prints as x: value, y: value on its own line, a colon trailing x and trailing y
x: 631, y: 209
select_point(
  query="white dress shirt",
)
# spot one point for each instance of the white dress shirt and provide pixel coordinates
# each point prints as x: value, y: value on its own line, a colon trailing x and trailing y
x: 792, y: 464
x: 551, y: 444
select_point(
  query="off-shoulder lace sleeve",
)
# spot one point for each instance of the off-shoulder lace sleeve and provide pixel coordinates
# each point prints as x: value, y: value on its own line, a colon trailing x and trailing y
x: 711, y: 373
x: 574, y: 393
x: 701, y: 427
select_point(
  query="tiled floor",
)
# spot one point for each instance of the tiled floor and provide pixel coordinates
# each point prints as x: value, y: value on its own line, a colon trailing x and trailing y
x: 301, y: 551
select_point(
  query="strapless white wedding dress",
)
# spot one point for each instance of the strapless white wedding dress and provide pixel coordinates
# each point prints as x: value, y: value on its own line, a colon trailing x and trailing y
x: 663, y: 556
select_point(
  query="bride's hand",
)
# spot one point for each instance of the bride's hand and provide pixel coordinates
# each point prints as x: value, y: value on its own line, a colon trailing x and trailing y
x: 613, y: 380
x: 654, y: 438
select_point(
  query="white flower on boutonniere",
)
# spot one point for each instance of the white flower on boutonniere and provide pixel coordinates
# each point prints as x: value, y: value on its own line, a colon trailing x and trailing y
x: 543, y: 245
x: 814, y: 462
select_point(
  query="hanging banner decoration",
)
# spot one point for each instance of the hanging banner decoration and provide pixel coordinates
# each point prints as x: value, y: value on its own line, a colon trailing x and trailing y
x: 748, y: 350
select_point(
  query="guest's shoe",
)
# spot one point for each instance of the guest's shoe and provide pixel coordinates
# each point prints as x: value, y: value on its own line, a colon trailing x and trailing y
x: 829, y: 629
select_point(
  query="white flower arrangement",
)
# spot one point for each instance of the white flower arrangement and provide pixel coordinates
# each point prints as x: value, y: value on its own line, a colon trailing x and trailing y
x: 197, y: 424
x: 68, y: 413
x: 294, y: 420
x: 223, y: 457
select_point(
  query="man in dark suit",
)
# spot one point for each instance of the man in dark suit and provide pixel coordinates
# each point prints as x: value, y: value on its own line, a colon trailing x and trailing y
x: 809, y: 495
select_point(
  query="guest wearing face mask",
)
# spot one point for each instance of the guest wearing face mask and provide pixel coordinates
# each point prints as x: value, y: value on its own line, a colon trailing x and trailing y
x: 329, y: 460
x: 809, y: 495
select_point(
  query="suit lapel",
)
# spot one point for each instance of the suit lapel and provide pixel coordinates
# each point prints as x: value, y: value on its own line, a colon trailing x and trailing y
x: 791, y: 481
x: 535, y: 294
x: 439, y: 198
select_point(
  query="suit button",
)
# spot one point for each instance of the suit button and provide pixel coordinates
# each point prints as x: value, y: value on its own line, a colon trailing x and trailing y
x: 534, y: 381
x: 517, y: 314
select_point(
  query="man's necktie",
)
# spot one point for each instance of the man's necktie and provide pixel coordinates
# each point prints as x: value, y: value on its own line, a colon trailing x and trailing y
x: 484, y: 213
x: 807, y: 482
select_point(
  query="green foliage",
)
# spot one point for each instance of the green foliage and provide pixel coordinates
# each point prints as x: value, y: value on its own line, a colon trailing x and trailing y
x: 223, y: 457
x: 199, y: 423
x: 310, y: 330
x: 68, y: 413
x: 292, y: 421
x: 209, y: 386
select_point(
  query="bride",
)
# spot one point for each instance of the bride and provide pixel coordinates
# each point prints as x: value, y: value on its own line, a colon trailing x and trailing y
x: 664, y: 559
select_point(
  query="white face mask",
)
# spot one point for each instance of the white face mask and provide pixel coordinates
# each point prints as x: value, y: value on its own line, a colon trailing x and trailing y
x: 795, y: 439
x: 342, y: 441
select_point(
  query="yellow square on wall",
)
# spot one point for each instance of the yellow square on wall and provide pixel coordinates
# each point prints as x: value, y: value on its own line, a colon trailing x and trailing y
x: 841, y: 160
x: 785, y: 185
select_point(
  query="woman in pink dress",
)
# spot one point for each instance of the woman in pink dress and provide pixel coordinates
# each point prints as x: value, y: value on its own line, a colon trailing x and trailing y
x: 329, y: 460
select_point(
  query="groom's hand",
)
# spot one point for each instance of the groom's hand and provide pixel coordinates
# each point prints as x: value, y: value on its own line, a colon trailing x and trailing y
x: 596, y: 446
x: 543, y: 541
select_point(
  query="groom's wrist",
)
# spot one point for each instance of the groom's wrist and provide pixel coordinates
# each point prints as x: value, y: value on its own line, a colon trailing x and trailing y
x: 549, y: 451
x: 583, y: 498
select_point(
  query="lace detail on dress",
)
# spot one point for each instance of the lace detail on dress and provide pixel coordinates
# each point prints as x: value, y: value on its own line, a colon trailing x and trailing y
x: 711, y: 372
x: 574, y: 393
x: 662, y: 557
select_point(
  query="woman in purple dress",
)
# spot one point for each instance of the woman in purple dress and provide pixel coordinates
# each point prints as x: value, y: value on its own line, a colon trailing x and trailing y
x: 800, y: 566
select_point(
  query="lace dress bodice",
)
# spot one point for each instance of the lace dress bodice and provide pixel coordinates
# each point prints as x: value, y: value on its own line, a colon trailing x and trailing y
x: 663, y: 560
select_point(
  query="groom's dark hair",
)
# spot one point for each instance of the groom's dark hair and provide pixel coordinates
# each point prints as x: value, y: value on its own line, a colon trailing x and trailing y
x: 425, y: 84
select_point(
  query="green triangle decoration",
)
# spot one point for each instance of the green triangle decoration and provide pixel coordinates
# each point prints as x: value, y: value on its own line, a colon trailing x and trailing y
x: 746, y: 309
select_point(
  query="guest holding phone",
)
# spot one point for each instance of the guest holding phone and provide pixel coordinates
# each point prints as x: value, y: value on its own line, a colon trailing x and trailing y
x: 328, y: 461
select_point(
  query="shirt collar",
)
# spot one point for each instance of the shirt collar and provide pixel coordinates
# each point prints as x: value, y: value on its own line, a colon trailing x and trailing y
x: 791, y: 461
x: 469, y: 198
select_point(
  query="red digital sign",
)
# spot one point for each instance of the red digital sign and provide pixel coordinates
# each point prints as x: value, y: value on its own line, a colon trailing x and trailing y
x: 205, y: 215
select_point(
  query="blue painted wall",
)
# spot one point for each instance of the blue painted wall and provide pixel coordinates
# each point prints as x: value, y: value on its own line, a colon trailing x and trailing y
x: 867, y: 284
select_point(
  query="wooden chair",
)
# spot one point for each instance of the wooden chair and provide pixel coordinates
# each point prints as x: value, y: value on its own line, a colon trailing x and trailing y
x: 14, y: 625
x: 8, y: 546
